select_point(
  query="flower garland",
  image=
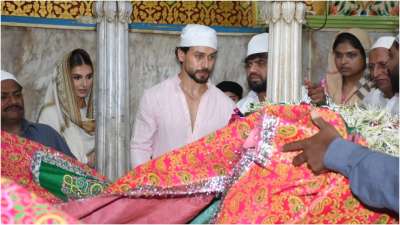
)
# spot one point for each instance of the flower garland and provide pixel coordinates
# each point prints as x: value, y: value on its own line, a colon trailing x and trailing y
x: 378, y: 126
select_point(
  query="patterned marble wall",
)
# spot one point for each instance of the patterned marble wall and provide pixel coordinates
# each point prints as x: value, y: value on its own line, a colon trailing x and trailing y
x: 31, y: 54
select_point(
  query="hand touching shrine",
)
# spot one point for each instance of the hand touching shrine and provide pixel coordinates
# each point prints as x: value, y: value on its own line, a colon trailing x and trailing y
x: 313, y: 149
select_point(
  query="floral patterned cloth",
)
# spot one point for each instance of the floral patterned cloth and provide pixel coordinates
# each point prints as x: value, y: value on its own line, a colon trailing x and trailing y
x: 24, y: 161
x: 294, y: 194
x: 19, y: 206
x: 277, y: 192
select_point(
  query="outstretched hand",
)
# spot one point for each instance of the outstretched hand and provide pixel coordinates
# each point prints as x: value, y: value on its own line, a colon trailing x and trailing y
x: 315, y: 92
x: 313, y: 149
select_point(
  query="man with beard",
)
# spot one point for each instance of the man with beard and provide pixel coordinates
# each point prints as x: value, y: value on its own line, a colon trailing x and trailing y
x: 13, y: 121
x: 185, y: 107
x: 383, y: 96
x: 256, y: 64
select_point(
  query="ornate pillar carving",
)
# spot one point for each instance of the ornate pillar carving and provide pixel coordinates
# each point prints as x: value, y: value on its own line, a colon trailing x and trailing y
x: 112, y: 88
x: 285, y: 19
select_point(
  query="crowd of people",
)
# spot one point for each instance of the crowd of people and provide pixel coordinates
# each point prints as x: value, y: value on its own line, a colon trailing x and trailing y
x: 188, y: 106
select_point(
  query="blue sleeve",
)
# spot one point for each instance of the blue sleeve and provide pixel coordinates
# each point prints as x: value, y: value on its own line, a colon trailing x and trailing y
x: 62, y: 145
x: 374, y: 176
x: 55, y: 140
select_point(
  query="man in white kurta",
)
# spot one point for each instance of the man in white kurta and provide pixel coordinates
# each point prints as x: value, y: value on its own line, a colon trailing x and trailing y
x: 185, y: 107
x: 382, y: 96
x: 256, y: 69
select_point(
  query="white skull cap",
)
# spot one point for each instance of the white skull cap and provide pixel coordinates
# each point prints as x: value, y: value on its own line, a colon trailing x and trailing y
x: 258, y: 44
x: 198, y: 35
x: 383, y: 42
x: 8, y: 76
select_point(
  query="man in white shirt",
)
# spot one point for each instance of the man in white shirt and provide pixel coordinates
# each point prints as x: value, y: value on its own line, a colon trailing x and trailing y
x: 185, y: 107
x: 256, y: 63
x: 382, y: 96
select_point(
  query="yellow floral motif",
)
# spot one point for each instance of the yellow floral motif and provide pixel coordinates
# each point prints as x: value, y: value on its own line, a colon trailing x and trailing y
x: 50, y: 218
x: 160, y: 165
x: 269, y: 220
x: 185, y: 177
x: 287, y: 131
x: 210, y: 138
x: 295, y: 204
x: 124, y: 188
x: 192, y: 157
x: 23, y: 181
x: 350, y: 203
x: 219, y: 169
x: 244, y: 130
x: 153, y: 179
x: 15, y: 157
x: 354, y: 221
x: 235, y: 203
x: 260, y: 195
x: 228, y: 153
x: 264, y: 173
x: 320, y: 206
x: 383, y: 219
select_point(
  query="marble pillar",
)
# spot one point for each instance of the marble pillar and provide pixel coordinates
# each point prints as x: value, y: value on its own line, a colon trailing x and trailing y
x: 285, y: 19
x: 112, y: 88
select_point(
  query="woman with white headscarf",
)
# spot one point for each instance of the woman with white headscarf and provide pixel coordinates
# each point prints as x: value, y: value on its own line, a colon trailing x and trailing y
x: 345, y: 81
x: 68, y: 105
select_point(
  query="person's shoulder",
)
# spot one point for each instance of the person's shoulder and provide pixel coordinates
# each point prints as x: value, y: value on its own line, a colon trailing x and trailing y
x: 218, y: 94
x: 45, y: 129
x: 161, y: 87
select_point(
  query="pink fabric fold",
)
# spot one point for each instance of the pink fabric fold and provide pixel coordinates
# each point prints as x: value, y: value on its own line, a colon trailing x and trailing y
x: 121, y: 209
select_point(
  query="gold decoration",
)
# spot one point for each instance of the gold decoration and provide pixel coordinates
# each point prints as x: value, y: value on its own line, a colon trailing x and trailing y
x: 211, y: 13
x: 48, y: 9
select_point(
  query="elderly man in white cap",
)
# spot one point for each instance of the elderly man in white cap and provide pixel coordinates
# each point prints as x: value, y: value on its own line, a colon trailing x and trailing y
x: 13, y: 121
x: 184, y: 107
x: 383, y: 96
x: 256, y: 64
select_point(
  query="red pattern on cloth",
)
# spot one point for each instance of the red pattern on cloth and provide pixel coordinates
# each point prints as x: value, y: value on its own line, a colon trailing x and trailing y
x: 280, y: 193
x: 19, y: 206
x: 16, y: 158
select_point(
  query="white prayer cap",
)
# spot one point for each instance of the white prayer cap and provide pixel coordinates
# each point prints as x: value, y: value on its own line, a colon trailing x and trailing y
x: 383, y: 42
x: 8, y: 76
x: 198, y: 35
x: 258, y: 44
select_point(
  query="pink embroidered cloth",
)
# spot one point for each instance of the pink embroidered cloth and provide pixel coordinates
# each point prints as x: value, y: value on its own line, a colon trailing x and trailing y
x: 269, y: 191
x: 19, y: 206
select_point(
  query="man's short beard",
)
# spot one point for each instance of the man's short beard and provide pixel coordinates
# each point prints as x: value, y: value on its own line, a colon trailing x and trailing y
x: 197, y: 80
x: 258, y: 87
